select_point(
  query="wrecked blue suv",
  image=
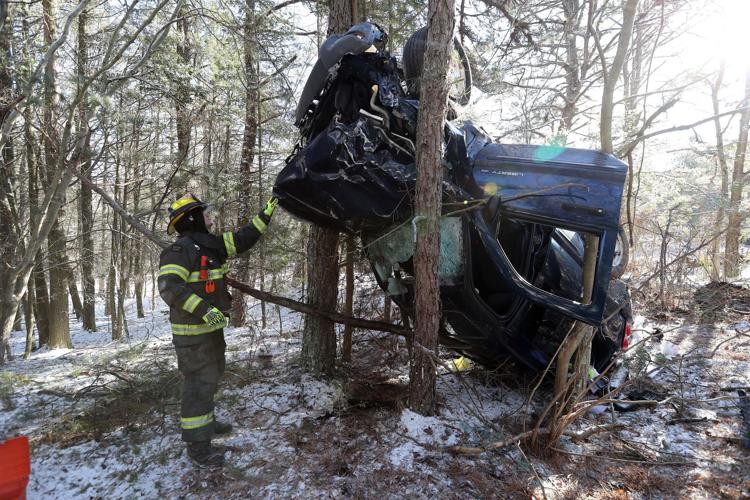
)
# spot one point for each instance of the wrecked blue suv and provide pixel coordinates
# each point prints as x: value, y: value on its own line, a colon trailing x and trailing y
x: 514, y: 216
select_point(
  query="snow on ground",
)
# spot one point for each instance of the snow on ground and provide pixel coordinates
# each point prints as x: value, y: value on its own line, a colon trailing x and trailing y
x: 103, y: 421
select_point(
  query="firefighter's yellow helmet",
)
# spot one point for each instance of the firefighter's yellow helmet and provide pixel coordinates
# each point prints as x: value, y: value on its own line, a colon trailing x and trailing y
x: 182, y: 206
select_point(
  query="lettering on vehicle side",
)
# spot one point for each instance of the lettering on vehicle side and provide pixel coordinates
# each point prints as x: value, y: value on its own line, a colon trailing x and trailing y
x: 501, y: 172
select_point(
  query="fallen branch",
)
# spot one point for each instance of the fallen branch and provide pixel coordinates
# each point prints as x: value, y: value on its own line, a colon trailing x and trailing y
x: 575, y: 436
x: 625, y: 460
x: 366, y: 324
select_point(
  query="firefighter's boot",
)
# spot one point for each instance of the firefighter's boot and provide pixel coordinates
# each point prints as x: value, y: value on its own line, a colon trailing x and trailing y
x: 205, y: 455
x: 222, y: 427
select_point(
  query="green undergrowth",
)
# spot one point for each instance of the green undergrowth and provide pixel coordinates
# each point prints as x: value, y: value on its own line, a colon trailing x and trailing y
x: 127, y: 399
x: 9, y: 382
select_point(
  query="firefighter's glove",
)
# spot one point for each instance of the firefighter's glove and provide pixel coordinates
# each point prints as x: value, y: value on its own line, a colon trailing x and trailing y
x: 214, y: 317
x: 271, y: 206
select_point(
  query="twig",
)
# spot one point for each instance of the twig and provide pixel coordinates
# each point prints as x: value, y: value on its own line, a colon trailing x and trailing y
x: 607, y: 457
x: 531, y: 466
x: 586, y: 433
x: 575, y: 436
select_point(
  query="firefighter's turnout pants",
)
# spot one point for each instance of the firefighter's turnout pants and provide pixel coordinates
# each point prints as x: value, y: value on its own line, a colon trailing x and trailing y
x: 201, y: 366
x: 191, y: 282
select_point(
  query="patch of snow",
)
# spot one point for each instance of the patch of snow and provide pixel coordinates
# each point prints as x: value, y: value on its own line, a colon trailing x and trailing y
x: 427, y: 430
x: 402, y: 456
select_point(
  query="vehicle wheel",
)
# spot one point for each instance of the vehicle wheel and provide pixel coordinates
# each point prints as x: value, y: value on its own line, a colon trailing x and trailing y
x: 459, y: 73
x: 622, y: 254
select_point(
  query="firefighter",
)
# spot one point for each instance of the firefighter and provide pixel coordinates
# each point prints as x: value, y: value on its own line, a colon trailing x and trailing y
x: 191, y: 282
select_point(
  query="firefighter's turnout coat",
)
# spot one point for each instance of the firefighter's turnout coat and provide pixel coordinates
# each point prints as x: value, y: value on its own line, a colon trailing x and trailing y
x: 191, y: 282
x: 185, y: 285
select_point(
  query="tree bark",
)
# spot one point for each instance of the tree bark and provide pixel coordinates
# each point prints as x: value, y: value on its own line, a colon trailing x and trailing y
x: 319, y: 334
x: 346, y: 346
x: 59, y: 325
x: 86, y: 216
x: 572, y: 70
x: 182, y: 97
x: 717, y: 264
x: 115, y: 250
x: 736, y: 215
x: 7, y: 166
x: 429, y: 141
x: 612, y: 75
x: 28, y: 314
x: 248, y: 151
x: 41, y: 304
x: 38, y: 280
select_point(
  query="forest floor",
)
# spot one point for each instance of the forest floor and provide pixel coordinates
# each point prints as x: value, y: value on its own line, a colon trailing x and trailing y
x: 102, y: 419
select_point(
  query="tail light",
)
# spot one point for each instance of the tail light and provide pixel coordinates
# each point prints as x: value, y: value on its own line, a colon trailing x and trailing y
x: 626, y: 337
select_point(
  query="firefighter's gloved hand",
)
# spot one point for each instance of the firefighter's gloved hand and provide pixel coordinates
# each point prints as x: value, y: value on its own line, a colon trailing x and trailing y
x: 271, y: 206
x: 215, y: 317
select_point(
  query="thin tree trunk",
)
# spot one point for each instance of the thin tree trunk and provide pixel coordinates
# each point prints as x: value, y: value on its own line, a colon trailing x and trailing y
x: 736, y: 215
x: 18, y: 323
x: 248, y: 151
x: 319, y: 335
x: 38, y: 298
x: 86, y: 217
x: 182, y: 98
x: 434, y: 94
x: 115, y: 249
x: 75, y: 297
x: 346, y: 348
x: 261, y: 196
x: 8, y: 247
x: 41, y: 304
x: 28, y: 314
x: 612, y: 75
x: 572, y: 70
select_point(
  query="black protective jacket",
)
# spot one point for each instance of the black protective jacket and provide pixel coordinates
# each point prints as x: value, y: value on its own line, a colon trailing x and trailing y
x: 191, y: 289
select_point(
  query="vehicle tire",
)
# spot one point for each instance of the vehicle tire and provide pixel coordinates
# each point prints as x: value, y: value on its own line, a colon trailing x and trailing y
x: 622, y: 254
x: 413, y: 61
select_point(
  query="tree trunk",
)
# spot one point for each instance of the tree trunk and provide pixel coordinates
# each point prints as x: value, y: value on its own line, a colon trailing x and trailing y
x: 75, y: 298
x: 736, y: 216
x: 59, y: 325
x: 182, y: 96
x: 346, y: 347
x: 429, y: 142
x: 261, y: 199
x: 38, y: 298
x: 572, y: 70
x: 18, y: 323
x: 41, y: 304
x: 116, y: 329
x: 7, y: 160
x: 612, y: 75
x: 717, y: 264
x: 86, y: 217
x: 319, y: 335
x: 28, y: 314
x: 248, y: 151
